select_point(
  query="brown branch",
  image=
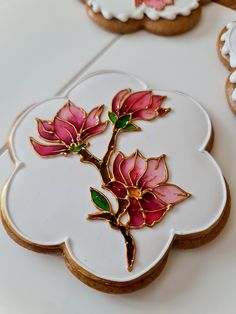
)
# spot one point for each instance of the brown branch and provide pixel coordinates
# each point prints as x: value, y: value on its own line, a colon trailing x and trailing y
x: 122, y: 206
x: 129, y: 241
x: 87, y: 157
x: 130, y: 247
x: 105, y: 171
x: 102, y: 165
x: 101, y: 216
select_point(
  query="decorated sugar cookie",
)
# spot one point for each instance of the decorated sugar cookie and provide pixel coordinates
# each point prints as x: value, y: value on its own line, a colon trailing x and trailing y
x: 163, y: 17
x: 227, y: 53
x: 112, y: 175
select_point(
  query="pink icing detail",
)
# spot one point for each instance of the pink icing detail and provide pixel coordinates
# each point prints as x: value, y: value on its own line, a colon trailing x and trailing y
x: 170, y: 194
x: 117, y: 100
x: 136, y: 101
x: 94, y: 131
x: 144, y: 114
x: 48, y: 150
x: 72, y: 114
x: 156, y: 102
x: 93, y: 117
x: 126, y: 166
x: 155, y: 174
x: 117, y: 188
x: 149, y: 202
x: 46, y: 131
x: 47, y: 125
x: 156, y: 4
x: 65, y: 131
x: 142, y: 105
x: 68, y: 129
x: 154, y: 216
x: 143, y: 183
x: 139, y: 168
x: 116, y: 167
x: 135, y: 213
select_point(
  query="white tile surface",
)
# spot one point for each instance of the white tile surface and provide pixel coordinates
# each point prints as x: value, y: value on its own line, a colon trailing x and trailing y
x: 195, y: 281
x: 43, y: 44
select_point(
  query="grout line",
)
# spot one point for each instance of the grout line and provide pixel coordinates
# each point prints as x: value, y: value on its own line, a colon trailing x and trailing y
x: 65, y: 87
x: 70, y: 83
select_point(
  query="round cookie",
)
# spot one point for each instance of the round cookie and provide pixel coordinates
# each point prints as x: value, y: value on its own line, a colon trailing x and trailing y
x: 170, y: 18
x: 227, y: 52
x: 46, y: 211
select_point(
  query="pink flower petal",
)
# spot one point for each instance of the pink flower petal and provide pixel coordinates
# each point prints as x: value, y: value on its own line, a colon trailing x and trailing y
x: 138, y: 169
x: 94, y: 131
x: 155, y: 4
x: 154, y: 216
x: 65, y: 131
x: 116, y: 167
x: 46, y: 131
x: 73, y: 114
x: 170, y: 193
x: 138, y: 2
x: 117, y: 100
x: 93, y: 117
x: 136, y: 101
x: 126, y: 166
x: 144, y: 114
x: 48, y: 126
x: 149, y: 202
x: 135, y: 214
x: 143, y: 102
x: 155, y: 174
x: 47, y: 150
x: 158, y: 4
x: 156, y: 102
x: 117, y: 188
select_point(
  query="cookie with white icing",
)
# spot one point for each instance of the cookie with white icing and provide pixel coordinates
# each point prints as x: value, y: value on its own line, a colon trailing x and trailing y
x: 227, y: 54
x: 116, y: 207
x: 162, y: 17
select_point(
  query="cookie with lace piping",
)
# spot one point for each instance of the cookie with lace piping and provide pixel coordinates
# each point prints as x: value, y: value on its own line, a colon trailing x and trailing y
x: 162, y: 17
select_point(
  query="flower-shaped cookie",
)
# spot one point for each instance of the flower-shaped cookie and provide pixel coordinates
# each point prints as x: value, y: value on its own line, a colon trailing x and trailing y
x: 163, y: 17
x: 46, y: 202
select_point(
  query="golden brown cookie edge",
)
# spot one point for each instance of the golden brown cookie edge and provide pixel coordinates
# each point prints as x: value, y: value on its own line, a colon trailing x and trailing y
x: 163, y: 27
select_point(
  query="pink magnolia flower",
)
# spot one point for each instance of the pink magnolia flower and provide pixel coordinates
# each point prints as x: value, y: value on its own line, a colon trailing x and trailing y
x: 68, y: 131
x: 142, y: 105
x: 156, y: 4
x: 143, y: 182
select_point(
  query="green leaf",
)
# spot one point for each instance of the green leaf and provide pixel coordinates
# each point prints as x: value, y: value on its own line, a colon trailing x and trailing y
x: 112, y: 116
x: 131, y: 127
x: 122, y: 122
x: 100, y: 200
x: 76, y: 149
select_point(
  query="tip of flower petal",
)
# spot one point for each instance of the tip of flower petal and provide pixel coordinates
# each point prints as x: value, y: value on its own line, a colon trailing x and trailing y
x: 163, y: 111
x: 139, y: 154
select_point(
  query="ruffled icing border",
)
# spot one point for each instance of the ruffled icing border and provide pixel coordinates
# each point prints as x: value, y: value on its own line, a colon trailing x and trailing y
x: 142, y: 11
x: 226, y: 51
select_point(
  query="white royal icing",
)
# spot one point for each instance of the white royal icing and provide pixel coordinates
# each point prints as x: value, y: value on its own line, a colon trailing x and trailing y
x: 123, y: 10
x: 229, y: 50
x: 47, y: 200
